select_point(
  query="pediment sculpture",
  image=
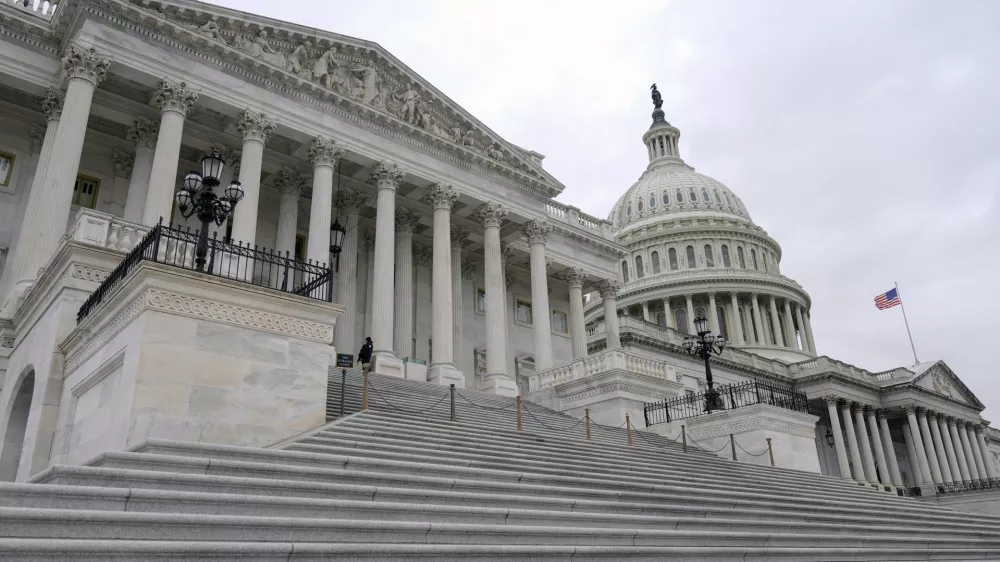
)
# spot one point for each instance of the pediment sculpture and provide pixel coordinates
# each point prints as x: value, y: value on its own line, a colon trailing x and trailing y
x: 942, y: 384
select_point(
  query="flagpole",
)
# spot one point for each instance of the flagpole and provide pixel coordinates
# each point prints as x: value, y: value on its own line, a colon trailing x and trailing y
x: 905, y: 321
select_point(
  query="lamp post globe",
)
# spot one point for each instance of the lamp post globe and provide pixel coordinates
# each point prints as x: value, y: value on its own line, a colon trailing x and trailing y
x: 197, y: 197
x: 703, y: 346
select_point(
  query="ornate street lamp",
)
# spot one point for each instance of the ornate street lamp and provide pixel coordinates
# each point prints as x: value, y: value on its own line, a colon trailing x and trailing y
x: 197, y: 197
x: 337, y: 233
x: 703, y: 346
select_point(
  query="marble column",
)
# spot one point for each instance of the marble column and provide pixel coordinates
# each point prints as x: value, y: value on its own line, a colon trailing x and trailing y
x: 984, y: 450
x: 927, y: 484
x: 386, y: 177
x: 645, y: 311
x: 790, y: 340
x: 779, y: 338
x: 689, y: 299
x: 804, y: 343
x: 758, y: 320
x: 838, y: 437
x: 575, y: 277
x: 349, y: 205
x: 911, y: 455
x: 324, y: 155
x: 406, y: 220
x: 458, y: 239
x: 748, y: 324
x: 941, y: 446
x: 866, y: 447
x: 442, y: 369
x: 492, y: 216
x: 809, y: 332
x: 737, y: 322
x: 858, y: 467
x: 977, y: 455
x: 609, y: 293
x: 289, y: 184
x: 954, y: 472
x: 879, y: 447
x: 174, y: 101
x: 143, y: 134
x: 669, y: 313
x: 713, y: 315
x: 52, y: 107
x: 963, y: 464
x: 256, y: 129
x: 929, y: 448
x: 369, y: 280
x: 123, y: 166
x: 889, y: 450
x: 536, y: 232
x: 970, y: 457
x: 50, y: 199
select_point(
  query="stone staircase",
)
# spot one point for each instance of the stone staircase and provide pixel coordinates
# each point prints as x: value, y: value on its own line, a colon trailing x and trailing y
x: 401, y: 481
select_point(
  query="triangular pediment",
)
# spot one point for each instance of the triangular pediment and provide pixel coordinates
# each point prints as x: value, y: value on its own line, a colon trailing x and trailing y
x: 353, y: 74
x: 940, y: 379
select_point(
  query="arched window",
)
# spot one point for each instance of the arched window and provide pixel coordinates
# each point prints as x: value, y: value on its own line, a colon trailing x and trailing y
x: 717, y: 198
x: 655, y: 258
x: 763, y: 259
x: 638, y: 267
x: 753, y: 258
x: 638, y: 205
x: 725, y: 256
x: 661, y: 320
x: 709, y: 256
x: 666, y: 198
x: 628, y: 210
x: 728, y: 200
x: 681, y: 317
x: 739, y: 256
x: 652, y: 202
x: 692, y: 197
x: 720, y: 313
x: 680, y: 197
x: 625, y: 272
x: 704, y: 196
x: 672, y: 258
x: 690, y: 257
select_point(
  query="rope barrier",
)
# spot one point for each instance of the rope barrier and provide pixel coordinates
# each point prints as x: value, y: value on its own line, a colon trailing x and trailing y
x: 553, y: 428
x: 395, y: 407
x: 482, y: 406
x: 760, y: 454
x: 695, y: 443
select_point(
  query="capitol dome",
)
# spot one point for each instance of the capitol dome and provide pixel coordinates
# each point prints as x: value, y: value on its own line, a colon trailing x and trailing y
x: 692, y: 250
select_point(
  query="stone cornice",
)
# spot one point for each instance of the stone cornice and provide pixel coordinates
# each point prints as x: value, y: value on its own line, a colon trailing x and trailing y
x: 722, y: 284
x: 594, y: 243
x: 142, y: 17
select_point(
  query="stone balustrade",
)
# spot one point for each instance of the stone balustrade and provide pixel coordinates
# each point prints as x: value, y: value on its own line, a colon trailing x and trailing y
x: 106, y: 231
x: 577, y: 218
x: 598, y: 363
x: 44, y: 9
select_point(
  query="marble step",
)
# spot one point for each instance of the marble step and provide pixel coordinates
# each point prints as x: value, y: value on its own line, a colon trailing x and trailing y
x: 422, y: 491
x: 105, y: 525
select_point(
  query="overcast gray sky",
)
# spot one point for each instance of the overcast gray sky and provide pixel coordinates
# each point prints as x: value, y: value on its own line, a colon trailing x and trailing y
x: 863, y: 136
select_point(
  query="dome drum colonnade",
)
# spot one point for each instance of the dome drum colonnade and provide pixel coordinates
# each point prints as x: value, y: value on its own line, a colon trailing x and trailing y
x: 942, y: 450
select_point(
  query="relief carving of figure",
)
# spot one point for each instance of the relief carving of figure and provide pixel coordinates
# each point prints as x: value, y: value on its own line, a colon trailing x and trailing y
x: 212, y: 31
x: 298, y: 60
x: 258, y: 47
x: 369, y: 87
x: 494, y: 152
x: 426, y: 120
x: 408, y: 109
x: 469, y: 140
x: 456, y: 134
x: 326, y: 71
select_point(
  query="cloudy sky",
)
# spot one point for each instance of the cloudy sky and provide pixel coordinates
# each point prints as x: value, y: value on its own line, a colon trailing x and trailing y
x: 863, y: 136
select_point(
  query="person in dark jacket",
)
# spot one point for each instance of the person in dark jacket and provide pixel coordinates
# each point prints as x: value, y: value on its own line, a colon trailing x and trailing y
x: 365, y: 355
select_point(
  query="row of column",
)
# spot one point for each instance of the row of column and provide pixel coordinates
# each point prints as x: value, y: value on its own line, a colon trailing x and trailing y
x: 948, y: 450
x: 868, y: 431
x: 745, y: 316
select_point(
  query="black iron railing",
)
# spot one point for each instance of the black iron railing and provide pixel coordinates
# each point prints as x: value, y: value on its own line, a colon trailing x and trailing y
x: 731, y: 396
x: 969, y: 485
x: 257, y: 266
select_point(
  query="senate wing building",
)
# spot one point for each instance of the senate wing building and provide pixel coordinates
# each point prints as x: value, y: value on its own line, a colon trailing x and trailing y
x: 205, y: 212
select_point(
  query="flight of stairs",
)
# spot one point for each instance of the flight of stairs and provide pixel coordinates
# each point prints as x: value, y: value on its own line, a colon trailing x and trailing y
x: 401, y: 481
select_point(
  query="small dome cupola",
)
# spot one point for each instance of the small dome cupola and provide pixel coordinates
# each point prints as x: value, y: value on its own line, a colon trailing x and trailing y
x: 662, y: 138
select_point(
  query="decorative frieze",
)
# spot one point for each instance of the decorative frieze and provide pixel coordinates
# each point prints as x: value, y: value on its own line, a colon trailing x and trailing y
x: 254, y: 126
x: 85, y: 64
x: 174, y: 97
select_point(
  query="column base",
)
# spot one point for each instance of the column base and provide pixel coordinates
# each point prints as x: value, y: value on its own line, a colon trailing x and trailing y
x: 499, y: 385
x: 445, y: 374
x: 414, y: 370
x: 387, y: 365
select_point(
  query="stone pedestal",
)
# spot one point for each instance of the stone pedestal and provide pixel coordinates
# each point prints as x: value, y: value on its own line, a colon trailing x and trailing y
x: 444, y: 374
x: 414, y: 370
x: 499, y: 385
x: 387, y: 365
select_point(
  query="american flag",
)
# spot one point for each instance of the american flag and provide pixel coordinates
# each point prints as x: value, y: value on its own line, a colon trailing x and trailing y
x: 886, y: 300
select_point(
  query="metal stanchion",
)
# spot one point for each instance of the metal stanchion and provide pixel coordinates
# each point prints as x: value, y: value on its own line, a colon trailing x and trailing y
x: 343, y: 389
x: 732, y: 445
x: 770, y: 451
x: 452, y: 402
x: 519, y: 413
x: 588, y: 424
x: 684, y: 438
x: 628, y: 428
x: 364, y: 393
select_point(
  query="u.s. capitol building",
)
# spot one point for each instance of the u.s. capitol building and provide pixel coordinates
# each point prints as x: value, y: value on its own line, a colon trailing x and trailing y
x: 123, y: 328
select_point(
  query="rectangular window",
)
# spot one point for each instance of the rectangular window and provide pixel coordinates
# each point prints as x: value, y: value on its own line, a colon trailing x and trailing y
x: 522, y: 312
x: 480, y: 300
x: 560, y: 322
x: 6, y: 168
x: 85, y: 191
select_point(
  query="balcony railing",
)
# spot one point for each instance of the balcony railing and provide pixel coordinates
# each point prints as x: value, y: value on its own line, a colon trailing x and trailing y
x: 575, y: 217
x: 44, y: 9
x: 599, y: 363
x: 732, y: 396
x: 257, y: 266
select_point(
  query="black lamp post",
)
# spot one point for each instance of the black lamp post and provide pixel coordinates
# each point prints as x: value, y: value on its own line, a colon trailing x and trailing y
x: 703, y: 346
x: 197, y: 196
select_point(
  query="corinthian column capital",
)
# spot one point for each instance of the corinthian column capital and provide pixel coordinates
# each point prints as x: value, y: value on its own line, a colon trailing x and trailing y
x: 441, y: 196
x: 608, y: 288
x: 143, y: 133
x: 536, y: 231
x: 406, y: 220
x: 175, y: 97
x: 350, y: 203
x: 51, y: 104
x: 85, y: 64
x: 575, y: 276
x: 123, y: 164
x: 491, y: 214
x: 386, y: 175
x: 458, y: 236
x: 324, y: 152
x: 255, y: 126
x: 289, y: 182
